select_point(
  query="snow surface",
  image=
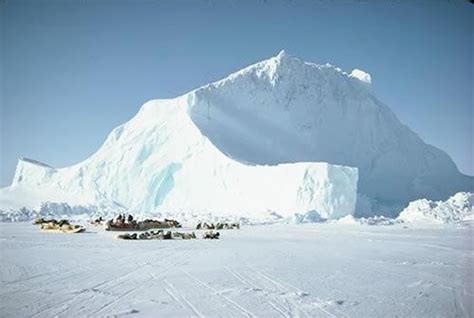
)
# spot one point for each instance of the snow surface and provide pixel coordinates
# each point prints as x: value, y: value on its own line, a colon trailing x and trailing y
x: 454, y: 210
x: 281, y: 136
x: 323, y: 270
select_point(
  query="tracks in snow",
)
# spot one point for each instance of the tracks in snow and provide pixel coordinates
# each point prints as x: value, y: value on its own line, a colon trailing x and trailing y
x: 201, y: 283
x: 285, y: 299
x: 102, y: 296
x: 181, y: 299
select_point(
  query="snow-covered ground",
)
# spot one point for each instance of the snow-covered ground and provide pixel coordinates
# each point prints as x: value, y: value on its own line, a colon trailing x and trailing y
x: 312, y: 270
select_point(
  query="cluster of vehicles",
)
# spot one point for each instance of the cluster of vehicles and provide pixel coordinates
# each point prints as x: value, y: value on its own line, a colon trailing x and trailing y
x: 125, y: 223
x: 158, y: 235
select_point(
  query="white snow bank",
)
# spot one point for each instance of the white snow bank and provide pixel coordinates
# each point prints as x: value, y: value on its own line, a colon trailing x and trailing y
x: 456, y: 209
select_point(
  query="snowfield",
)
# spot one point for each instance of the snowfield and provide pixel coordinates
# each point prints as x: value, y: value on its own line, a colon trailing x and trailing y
x: 315, y: 270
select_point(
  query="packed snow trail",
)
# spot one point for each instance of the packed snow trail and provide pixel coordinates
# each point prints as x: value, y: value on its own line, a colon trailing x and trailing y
x: 323, y: 270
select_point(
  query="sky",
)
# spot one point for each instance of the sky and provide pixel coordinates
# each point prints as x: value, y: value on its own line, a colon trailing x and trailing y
x: 71, y: 71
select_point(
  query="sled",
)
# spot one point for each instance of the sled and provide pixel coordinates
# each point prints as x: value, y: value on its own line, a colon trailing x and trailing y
x: 66, y: 228
x: 124, y: 227
x: 211, y: 235
x: 158, y: 235
x: 142, y: 225
x: 75, y: 229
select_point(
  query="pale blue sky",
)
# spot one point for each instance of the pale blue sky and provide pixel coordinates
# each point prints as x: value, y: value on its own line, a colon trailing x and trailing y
x: 73, y: 70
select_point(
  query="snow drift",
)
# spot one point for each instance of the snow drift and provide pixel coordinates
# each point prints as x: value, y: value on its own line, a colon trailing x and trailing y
x: 454, y: 210
x: 280, y: 136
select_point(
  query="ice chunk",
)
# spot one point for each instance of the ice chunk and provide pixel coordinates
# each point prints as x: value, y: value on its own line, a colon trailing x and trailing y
x: 454, y: 210
x: 362, y: 76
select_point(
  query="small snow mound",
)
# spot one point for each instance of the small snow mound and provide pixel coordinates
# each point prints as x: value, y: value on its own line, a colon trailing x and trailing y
x: 308, y: 217
x: 348, y: 219
x: 361, y: 76
x: 456, y: 209
x: 374, y: 220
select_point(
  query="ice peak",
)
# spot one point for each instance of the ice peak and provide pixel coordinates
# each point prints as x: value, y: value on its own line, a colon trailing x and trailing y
x: 284, y: 67
x: 277, y: 66
x: 281, y: 55
x: 361, y: 76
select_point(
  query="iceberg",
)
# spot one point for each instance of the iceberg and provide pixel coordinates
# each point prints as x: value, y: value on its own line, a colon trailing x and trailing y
x: 279, y: 137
